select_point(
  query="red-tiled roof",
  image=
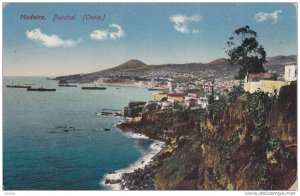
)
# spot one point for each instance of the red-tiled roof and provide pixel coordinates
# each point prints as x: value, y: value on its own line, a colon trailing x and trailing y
x: 175, y: 95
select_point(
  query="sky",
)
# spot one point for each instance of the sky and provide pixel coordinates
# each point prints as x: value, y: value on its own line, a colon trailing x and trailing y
x: 155, y: 33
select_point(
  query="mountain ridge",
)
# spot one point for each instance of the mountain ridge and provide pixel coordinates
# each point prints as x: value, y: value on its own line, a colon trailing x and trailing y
x: 219, y: 68
x: 281, y: 59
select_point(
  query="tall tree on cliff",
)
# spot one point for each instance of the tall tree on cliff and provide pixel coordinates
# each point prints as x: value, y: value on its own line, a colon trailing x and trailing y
x: 243, y: 49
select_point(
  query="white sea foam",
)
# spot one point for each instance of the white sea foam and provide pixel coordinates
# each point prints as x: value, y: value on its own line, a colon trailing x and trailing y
x: 154, y: 148
x: 136, y: 135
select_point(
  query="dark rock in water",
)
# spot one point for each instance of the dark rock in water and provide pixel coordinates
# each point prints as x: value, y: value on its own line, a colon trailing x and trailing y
x: 111, y: 181
x: 110, y: 113
x: 106, y: 113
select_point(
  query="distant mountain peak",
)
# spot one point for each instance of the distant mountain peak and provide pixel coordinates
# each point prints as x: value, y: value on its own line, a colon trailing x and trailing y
x: 131, y: 64
x: 220, y: 61
x: 135, y: 61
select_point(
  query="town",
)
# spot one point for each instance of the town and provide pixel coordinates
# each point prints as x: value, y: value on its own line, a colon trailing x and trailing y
x: 178, y: 91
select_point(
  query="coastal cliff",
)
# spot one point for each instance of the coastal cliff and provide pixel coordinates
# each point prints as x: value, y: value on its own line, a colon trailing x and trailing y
x: 165, y: 125
x: 249, y: 145
x: 283, y: 116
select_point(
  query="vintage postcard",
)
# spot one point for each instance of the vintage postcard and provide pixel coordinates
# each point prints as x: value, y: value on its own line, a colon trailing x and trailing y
x: 149, y: 96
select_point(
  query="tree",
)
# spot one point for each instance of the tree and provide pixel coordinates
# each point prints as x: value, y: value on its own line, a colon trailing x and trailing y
x: 235, y: 93
x: 243, y: 49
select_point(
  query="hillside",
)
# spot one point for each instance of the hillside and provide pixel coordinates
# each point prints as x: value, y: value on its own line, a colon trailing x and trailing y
x: 138, y: 68
x: 130, y: 65
x: 282, y: 59
x: 277, y: 63
x: 219, y: 68
x: 220, y: 61
x: 229, y: 149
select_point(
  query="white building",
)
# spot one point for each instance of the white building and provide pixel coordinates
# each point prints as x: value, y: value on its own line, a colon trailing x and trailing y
x: 290, y: 73
x: 203, y: 102
x: 167, y: 104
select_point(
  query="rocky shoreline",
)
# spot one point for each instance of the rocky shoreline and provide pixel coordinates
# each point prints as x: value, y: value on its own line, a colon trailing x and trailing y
x: 139, y: 179
x: 136, y: 176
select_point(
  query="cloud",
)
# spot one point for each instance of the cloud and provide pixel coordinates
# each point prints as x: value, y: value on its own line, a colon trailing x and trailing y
x: 265, y: 17
x: 181, y: 22
x: 99, y: 35
x: 117, y: 34
x: 50, y: 40
x: 107, y: 34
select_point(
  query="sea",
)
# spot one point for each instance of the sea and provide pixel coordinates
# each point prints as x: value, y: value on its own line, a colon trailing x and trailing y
x: 38, y: 152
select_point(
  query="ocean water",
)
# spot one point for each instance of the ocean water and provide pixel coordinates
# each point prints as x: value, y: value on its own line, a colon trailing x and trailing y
x: 37, y: 155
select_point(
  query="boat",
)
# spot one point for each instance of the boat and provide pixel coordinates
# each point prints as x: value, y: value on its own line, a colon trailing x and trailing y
x: 93, y: 88
x: 18, y: 86
x: 41, y: 89
x: 67, y: 85
x: 156, y: 89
